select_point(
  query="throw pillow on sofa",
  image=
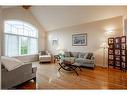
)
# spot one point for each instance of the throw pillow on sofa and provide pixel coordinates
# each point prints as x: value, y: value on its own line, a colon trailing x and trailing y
x: 89, y: 56
x: 81, y: 55
x: 67, y: 54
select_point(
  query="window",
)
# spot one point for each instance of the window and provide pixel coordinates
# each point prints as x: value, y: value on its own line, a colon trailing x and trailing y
x: 20, y: 38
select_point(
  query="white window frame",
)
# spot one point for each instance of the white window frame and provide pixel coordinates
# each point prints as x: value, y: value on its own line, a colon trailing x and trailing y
x: 18, y: 37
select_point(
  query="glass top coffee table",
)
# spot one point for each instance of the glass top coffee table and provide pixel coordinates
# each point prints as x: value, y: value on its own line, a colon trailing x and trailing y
x: 69, y: 66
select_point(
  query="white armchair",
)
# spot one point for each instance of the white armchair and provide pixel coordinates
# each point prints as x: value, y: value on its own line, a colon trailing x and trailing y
x: 44, y: 56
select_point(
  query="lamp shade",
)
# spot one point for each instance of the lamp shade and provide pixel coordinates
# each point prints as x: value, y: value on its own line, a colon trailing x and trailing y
x: 104, y: 45
x: 60, y: 50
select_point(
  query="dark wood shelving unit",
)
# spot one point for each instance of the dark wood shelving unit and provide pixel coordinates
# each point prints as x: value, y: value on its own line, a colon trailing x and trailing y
x: 111, y: 52
x: 123, y: 53
x: 117, y: 53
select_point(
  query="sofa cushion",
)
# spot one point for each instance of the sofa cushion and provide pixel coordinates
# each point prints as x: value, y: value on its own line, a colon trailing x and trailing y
x: 82, y: 60
x: 69, y: 59
x: 74, y: 54
x: 67, y: 54
x: 81, y: 55
x: 89, y: 56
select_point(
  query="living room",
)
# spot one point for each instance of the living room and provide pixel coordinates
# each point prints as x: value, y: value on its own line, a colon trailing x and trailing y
x: 55, y: 28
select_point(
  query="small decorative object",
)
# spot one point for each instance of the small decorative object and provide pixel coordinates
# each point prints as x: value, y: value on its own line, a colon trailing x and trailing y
x: 123, y: 65
x: 111, y: 62
x: 117, y: 40
x: 123, y: 58
x: 123, y: 39
x: 110, y: 51
x: 117, y: 46
x: 111, y: 57
x: 117, y: 58
x: 123, y: 52
x: 111, y: 46
x: 117, y: 52
x: 117, y: 63
x: 79, y: 39
x: 123, y: 45
x: 111, y: 40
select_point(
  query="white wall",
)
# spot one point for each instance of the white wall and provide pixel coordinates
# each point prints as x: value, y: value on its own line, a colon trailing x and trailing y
x: 125, y: 25
x: 95, y: 36
x: 18, y: 13
x: 0, y: 47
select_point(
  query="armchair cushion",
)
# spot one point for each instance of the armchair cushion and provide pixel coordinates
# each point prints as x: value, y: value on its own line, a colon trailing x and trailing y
x: 44, y: 56
x: 43, y: 52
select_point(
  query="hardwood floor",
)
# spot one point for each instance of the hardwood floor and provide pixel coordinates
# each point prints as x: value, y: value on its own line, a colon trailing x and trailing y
x: 48, y: 77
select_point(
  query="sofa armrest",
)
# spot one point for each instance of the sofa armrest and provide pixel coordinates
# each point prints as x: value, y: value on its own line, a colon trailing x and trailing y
x: 24, y: 69
x: 34, y: 69
x: 17, y: 76
x: 93, y: 57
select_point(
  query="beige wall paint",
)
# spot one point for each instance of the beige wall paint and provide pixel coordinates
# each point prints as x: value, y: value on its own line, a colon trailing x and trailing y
x: 18, y: 13
x: 95, y: 36
x: 25, y: 15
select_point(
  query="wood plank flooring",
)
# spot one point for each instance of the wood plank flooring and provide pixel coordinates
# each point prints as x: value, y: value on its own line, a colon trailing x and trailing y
x: 48, y: 77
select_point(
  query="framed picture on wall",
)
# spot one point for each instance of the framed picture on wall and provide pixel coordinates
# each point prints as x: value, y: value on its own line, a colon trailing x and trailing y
x: 79, y: 39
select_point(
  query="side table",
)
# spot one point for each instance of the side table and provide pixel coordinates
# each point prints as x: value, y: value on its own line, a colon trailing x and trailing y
x: 56, y: 58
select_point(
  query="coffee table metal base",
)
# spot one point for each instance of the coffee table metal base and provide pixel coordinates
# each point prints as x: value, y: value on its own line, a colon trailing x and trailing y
x: 69, y: 67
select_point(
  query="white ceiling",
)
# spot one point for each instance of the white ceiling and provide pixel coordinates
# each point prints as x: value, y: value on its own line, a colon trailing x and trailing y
x: 55, y: 17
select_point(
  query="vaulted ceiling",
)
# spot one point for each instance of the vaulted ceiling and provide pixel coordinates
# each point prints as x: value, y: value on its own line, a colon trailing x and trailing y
x: 55, y: 17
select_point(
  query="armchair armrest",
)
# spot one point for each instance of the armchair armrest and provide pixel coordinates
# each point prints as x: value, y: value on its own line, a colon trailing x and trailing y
x: 39, y: 53
x: 49, y: 54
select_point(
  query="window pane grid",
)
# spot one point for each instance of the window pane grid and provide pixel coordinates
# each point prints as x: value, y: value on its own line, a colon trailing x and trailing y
x: 20, y: 39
